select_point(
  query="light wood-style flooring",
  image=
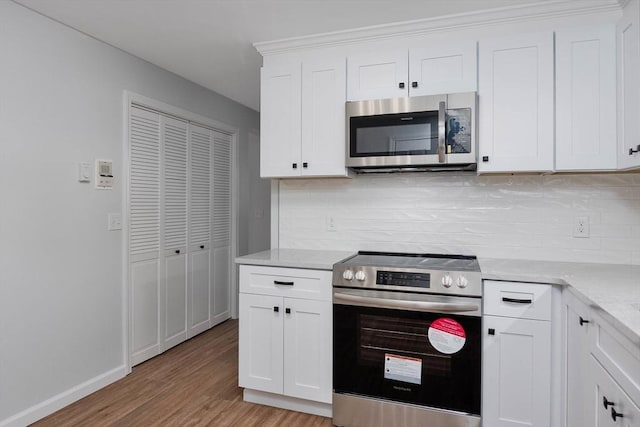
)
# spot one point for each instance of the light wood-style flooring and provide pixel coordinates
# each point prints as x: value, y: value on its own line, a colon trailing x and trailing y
x: 193, y: 384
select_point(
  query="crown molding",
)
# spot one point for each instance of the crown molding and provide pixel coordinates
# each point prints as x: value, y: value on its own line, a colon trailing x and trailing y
x: 489, y: 17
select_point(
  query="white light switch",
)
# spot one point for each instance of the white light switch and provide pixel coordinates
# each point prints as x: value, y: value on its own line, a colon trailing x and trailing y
x: 114, y: 221
x: 84, y: 172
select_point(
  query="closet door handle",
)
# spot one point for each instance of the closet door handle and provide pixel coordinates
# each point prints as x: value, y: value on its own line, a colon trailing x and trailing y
x: 287, y: 310
x: 583, y: 321
x: 401, y: 85
x: 276, y: 308
x: 201, y: 246
x: 177, y: 251
x: 492, y: 331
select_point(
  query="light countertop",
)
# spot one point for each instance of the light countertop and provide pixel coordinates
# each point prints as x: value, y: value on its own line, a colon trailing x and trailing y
x: 614, y: 289
x: 611, y: 288
x: 295, y: 258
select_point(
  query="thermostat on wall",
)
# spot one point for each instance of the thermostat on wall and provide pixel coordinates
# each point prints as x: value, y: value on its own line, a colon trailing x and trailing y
x: 104, y: 174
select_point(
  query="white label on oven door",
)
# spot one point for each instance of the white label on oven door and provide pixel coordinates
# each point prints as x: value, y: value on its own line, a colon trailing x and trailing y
x: 401, y: 368
x: 447, y: 336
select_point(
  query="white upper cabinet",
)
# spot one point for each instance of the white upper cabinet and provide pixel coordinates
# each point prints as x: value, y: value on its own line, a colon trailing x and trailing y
x: 516, y: 103
x: 323, y: 117
x: 628, y: 42
x: 586, y: 98
x: 450, y: 67
x: 429, y: 70
x: 280, y: 113
x: 377, y: 75
x: 302, y: 119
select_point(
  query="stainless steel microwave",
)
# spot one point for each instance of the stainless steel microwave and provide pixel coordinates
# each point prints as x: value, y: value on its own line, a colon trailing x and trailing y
x: 436, y: 132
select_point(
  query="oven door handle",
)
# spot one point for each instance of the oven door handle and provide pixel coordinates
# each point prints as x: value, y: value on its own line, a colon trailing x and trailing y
x: 405, y: 304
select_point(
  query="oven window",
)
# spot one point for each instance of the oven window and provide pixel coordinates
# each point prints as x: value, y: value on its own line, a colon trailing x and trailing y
x: 389, y: 354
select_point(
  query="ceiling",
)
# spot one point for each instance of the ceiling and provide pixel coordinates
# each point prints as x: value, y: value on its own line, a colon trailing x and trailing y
x: 210, y: 42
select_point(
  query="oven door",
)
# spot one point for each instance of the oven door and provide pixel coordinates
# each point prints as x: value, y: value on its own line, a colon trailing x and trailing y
x: 427, y: 358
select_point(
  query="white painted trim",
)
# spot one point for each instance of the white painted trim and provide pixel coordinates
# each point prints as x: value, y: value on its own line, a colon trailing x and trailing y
x: 275, y: 214
x: 510, y: 14
x: 126, y: 296
x: 235, y: 200
x: 59, y: 401
x: 286, y: 402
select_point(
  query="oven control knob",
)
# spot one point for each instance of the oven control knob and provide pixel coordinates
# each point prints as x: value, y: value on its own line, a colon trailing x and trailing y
x: 360, y: 275
x: 462, y: 282
x: 447, y: 281
x: 347, y: 275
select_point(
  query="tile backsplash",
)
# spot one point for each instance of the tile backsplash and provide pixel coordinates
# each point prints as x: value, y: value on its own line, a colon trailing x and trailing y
x: 520, y: 216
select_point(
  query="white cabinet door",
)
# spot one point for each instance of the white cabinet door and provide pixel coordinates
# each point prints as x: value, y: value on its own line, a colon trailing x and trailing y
x: 280, y: 102
x: 578, y: 324
x: 609, y: 405
x: 586, y: 99
x: 628, y: 35
x: 323, y: 117
x: 377, y: 75
x: 516, y: 372
x: 443, y: 68
x: 516, y: 103
x: 260, y: 343
x: 308, y: 349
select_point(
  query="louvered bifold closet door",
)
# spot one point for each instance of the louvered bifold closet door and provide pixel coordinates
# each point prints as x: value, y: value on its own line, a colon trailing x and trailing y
x: 174, y: 226
x: 200, y: 206
x: 222, y: 180
x: 144, y: 233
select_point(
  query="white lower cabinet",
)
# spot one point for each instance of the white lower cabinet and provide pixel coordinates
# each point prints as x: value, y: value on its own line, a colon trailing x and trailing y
x: 602, y: 369
x: 285, y: 342
x: 516, y: 355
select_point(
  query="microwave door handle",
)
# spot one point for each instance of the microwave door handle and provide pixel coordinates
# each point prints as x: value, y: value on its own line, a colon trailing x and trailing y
x: 441, y: 131
x: 405, y: 304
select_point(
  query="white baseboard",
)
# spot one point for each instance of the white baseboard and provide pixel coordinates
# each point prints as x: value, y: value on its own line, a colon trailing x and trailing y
x: 286, y: 402
x: 49, y: 406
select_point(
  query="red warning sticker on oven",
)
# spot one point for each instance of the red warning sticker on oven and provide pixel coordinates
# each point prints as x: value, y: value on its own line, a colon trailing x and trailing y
x: 446, y: 335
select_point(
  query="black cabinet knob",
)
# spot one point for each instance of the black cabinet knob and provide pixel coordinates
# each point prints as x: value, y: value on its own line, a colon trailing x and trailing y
x: 583, y: 321
x: 287, y: 310
x: 401, y: 85
x: 485, y: 158
x: 177, y: 251
x: 305, y: 165
x: 201, y: 246
x: 615, y: 415
x: 295, y: 166
x: 606, y: 403
x: 492, y: 331
x: 414, y: 84
x: 637, y: 150
x: 276, y: 308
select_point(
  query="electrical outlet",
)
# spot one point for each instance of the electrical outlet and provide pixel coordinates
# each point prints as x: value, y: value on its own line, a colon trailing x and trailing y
x: 114, y: 221
x: 331, y: 224
x: 581, y: 226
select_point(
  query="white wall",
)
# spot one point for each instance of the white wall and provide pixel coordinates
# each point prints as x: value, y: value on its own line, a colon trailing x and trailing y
x: 61, y: 294
x: 526, y: 217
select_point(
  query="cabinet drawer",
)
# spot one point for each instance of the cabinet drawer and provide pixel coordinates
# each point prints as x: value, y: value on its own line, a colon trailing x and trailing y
x: 515, y: 299
x: 286, y: 282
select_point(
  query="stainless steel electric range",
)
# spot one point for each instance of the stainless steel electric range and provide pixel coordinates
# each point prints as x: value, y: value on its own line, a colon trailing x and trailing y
x: 406, y: 340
